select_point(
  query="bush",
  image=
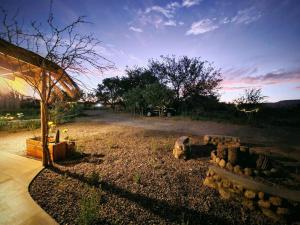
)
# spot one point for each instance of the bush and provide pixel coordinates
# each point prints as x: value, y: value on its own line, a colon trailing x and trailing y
x: 19, y: 124
x: 89, y: 209
x: 137, y: 178
x: 94, y: 178
x: 62, y: 111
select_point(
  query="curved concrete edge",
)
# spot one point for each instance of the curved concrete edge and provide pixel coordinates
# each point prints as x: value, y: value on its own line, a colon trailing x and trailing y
x: 16, y: 205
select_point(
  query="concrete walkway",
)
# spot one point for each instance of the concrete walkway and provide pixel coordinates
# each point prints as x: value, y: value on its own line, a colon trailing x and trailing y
x: 16, y: 205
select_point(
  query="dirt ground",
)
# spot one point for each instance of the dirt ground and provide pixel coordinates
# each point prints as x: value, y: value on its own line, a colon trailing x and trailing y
x: 138, y: 179
x: 279, y: 140
x: 140, y: 182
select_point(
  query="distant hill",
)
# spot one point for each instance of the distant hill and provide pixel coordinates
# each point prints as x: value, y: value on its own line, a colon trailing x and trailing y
x: 284, y: 103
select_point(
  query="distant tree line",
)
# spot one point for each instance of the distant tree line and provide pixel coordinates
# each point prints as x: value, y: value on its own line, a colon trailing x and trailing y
x: 186, y: 84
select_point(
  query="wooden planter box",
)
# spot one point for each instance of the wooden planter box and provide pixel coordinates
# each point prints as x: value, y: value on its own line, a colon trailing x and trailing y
x: 58, y: 151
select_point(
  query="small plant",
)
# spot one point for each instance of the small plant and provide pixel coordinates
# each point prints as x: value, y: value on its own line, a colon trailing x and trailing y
x: 94, y: 178
x: 137, y: 178
x: 154, y: 145
x: 89, y: 208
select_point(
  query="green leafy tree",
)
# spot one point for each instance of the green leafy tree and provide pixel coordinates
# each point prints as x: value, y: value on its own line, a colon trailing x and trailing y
x: 158, y: 95
x: 137, y: 77
x: 134, y: 100
x: 188, y: 77
x: 110, y: 91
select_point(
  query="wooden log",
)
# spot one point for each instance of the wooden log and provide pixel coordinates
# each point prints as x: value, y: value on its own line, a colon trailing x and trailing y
x: 250, y: 183
x: 233, y: 154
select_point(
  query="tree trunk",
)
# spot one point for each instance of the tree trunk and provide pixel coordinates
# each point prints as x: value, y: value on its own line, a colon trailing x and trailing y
x: 44, y: 123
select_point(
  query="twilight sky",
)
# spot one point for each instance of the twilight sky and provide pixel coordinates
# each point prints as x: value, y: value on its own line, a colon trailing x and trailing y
x: 255, y: 43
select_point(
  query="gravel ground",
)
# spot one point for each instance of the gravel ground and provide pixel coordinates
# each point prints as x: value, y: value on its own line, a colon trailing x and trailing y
x: 141, y: 182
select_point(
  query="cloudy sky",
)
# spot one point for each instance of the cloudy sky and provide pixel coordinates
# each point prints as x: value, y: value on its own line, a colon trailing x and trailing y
x: 255, y: 43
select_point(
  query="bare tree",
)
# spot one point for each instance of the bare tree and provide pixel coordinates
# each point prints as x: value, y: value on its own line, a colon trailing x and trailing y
x: 65, y: 47
x: 250, y: 102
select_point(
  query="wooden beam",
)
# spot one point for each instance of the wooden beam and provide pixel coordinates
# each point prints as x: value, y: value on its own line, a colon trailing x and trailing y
x: 250, y: 183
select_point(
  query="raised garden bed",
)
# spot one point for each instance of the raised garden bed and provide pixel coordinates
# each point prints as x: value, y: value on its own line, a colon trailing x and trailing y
x: 58, y: 151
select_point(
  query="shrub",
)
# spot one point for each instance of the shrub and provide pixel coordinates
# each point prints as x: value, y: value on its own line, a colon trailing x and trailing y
x: 89, y: 208
x: 94, y: 178
x: 19, y: 124
x: 137, y: 178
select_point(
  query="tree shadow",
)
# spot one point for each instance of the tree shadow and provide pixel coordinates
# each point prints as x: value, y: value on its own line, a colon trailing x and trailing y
x: 80, y: 157
x: 179, y: 214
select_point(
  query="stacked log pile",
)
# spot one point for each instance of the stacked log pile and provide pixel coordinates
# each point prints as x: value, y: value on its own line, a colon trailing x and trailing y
x: 232, y: 173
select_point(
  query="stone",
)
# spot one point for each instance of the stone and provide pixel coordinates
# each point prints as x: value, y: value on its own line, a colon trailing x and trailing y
x: 229, y: 166
x: 250, y: 194
x: 267, y: 173
x: 216, y: 177
x: 256, y: 172
x: 248, y: 171
x: 210, y: 172
x: 282, y: 211
x: 224, y: 194
x: 206, y: 139
x: 237, y: 169
x: 213, y: 156
x: 226, y: 183
x: 182, y: 148
x: 222, y: 151
x: 269, y: 213
x: 275, y: 200
x: 248, y: 204
x: 239, y: 188
x: 273, y: 170
x: 244, y: 148
x: 261, y: 195
x: 222, y: 163
x: 264, y: 204
x: 208, y: 181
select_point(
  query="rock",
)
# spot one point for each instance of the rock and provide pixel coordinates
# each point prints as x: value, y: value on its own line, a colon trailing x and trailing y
x: 275, y: 200
x: 224, y: 194
x: 282, y: 211
x: 248, y: 171
x: 222, y: 163
x: 238, y: 187
x: 269, y: 213
x: 267, y: 173
x: 206, y: 139
x: 208, y: 173
x: 244, y: 148
x: 216, y: 177
x: 248, y: 204
x: 261, y: 195
x: 209, y: 183
x: 182, y: 148
x: 229, y: 166
x: 216, y: 139
x: 273, y: 170
x: 222, y: 151
x: 226, y: 183
x: 250, y: 194
x: 237, y: 169
x: 264, y: 204
x: 256, y: 172
x: 218, y: 160
x: 213, y: 156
